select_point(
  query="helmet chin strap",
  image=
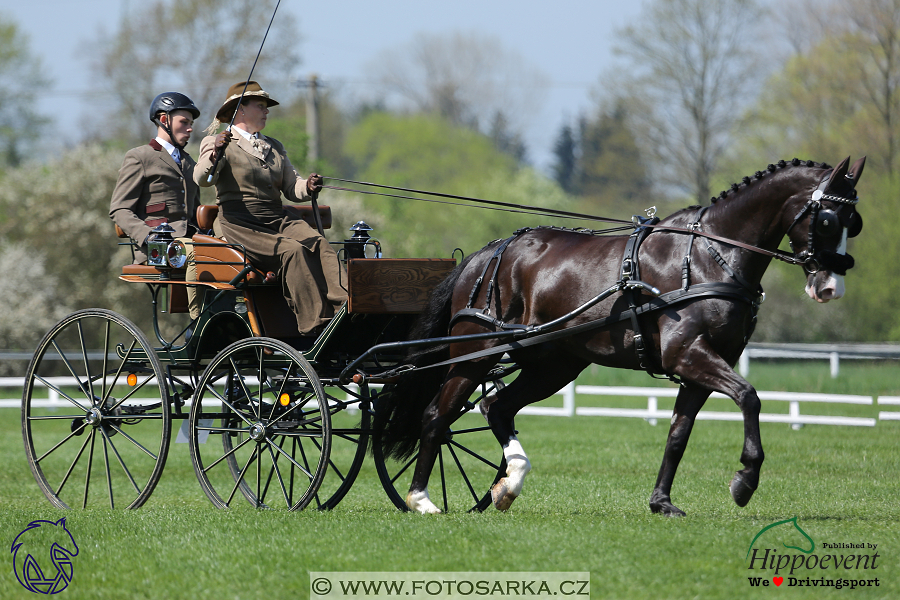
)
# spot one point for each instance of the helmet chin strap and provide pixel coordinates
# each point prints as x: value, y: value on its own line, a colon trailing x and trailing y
x: 167, y: 127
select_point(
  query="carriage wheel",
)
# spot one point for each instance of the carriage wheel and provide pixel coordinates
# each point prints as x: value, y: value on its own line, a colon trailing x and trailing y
x: 467, y: 464
x: 259, y: 425
x: 102, y: 434
x: 351, y: 422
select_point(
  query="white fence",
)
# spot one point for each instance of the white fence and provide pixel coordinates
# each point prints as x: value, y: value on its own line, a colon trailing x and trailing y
x: 833, y: 353
x: 652, y: 413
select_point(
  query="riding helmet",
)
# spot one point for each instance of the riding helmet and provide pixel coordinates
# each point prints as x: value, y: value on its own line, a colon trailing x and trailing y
x: 172, y: 101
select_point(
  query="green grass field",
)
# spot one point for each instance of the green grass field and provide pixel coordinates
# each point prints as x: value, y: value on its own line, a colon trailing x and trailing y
x: 584, y: 508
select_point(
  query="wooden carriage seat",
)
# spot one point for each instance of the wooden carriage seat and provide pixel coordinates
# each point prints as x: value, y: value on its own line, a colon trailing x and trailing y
x: 207, y: 213
x: 218, y: 261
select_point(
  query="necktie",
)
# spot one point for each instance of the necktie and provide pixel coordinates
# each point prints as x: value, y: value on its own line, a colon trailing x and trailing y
x: 176, y: 156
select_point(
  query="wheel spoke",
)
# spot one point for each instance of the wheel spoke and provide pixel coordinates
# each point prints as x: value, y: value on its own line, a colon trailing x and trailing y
x: 60, y: 392
x: 72, y: 466
x: 463, y: 473
x: 87, y: 477
x: 227, y: 454
x: 240, y: 477
x: 258, y: 467
x: 405, y: 467
x: 330, y: 462
x: 243, y: 384
x: 65, y: 361
x: 212, y: 429
x: 106, y: 465
x: 87, y: 368
x: 105, y: 362
x: 284, y: 381
x: 443, y: 478
x: 131, y: 393
x: 472, y: 430
x: 121, y: 462
x: 60, y: 443
x: 478, y: 456
x: 229, y: 405
x: 278, y: 473
x: 55, y: 417
x: 133, y: 441
x: 299, y: 406
x: 294, y: 462
x: 121, y: 367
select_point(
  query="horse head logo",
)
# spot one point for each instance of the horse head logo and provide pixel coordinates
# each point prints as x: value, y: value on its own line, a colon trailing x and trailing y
x: 31, y: 548
x: 785, y: 533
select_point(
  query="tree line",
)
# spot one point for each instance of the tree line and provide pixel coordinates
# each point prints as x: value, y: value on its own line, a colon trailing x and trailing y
x: 706, y: 93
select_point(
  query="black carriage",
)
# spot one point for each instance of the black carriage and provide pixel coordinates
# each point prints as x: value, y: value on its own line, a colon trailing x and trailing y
x: 270, y: 416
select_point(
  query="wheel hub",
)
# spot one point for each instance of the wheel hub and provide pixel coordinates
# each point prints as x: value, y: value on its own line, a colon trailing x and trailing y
x: 94, y: 417
x: 258, y: 432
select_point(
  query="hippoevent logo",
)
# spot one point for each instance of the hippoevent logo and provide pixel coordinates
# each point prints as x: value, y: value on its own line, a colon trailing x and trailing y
x: 42, y: 556
x: 784, y: 554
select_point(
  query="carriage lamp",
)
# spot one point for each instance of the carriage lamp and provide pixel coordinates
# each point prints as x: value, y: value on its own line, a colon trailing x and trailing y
x: 356, y: 245
x: 158, y: 244
x: 163, y: 250
x: 176, y: 254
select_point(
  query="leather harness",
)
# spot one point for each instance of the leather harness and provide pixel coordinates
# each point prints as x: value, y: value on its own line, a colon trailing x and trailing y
x: 629, y: 283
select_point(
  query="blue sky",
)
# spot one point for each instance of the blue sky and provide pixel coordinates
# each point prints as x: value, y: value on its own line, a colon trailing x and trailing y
x: 570, y: 41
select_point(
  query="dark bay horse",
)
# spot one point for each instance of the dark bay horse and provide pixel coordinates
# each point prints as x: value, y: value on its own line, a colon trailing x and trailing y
x: 707, y: 263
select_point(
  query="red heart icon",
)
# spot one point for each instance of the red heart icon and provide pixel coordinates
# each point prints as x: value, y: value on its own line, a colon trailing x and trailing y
x: 778, y: 580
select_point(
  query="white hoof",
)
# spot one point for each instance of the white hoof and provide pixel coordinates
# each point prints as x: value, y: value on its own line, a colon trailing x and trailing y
x: 420, y: 502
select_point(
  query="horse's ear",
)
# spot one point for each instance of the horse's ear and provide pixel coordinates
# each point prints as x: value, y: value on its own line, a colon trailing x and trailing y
x: 856, y: 170
x: 837, y: 175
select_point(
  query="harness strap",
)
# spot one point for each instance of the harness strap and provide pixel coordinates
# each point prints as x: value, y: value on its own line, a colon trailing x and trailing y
x: 686, y: 263
x: 631, y: 272
x: 498, y: 254
x: 726, y: 267
x: 701, y: 290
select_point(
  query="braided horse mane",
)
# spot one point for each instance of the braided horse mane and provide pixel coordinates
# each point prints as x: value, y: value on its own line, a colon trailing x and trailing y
x: 781, y: 164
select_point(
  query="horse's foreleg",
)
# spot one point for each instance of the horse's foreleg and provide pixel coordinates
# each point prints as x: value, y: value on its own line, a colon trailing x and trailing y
x: 689, y: 402
x: 708, y: 370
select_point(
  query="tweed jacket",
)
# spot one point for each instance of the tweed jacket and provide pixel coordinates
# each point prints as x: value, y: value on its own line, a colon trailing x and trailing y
x: 151, y: 189
x: 251, y: 179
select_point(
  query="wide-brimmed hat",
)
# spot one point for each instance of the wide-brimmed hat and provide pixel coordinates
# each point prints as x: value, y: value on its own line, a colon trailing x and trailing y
x: 226, y: 112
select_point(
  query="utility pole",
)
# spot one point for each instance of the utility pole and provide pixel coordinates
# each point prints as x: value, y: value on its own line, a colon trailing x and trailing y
x: 312, y: 119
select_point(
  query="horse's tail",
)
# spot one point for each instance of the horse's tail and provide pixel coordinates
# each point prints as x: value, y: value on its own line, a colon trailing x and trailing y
x: 400, y: 406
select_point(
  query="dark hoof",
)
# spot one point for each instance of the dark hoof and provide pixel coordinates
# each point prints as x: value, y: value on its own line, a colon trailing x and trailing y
x: 741, y: 491
x: 666, y: 508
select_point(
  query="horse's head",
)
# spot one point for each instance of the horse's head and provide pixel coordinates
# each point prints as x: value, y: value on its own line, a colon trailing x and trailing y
x: 819, y: 232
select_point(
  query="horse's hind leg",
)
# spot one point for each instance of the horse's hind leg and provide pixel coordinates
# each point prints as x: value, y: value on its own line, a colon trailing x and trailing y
x: 534, y: 383
x: 688, y: 403
x: 437, y: 419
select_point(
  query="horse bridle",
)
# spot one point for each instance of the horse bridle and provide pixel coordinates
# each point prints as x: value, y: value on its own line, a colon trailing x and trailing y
x: 824, y: 222
x: 822, y: 218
